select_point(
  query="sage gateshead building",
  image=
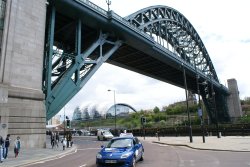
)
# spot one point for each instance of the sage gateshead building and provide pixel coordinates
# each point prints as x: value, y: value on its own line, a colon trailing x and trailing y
x: 122, y: 110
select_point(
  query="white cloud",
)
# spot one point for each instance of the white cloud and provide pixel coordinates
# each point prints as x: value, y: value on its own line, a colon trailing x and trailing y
x: 222, y: 25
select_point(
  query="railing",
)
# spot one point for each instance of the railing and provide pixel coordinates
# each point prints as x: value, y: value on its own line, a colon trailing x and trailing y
x: 93, y: 6
x: 210, y: 130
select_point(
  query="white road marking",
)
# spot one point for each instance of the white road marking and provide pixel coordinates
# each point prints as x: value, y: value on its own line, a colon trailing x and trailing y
x: 89, y: 149
x: 61, y: 156
x: 163, y: 145
x: 40, y: 162
x: 58, y: 157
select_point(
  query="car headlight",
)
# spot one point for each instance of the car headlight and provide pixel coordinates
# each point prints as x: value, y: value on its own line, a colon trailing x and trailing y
x: 98, y: 156
x: 126, y: 155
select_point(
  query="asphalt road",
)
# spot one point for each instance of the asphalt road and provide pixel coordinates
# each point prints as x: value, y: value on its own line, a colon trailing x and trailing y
x: 155, y: 156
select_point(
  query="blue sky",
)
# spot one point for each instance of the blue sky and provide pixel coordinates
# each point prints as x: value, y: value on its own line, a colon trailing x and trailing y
x: 224, y: 28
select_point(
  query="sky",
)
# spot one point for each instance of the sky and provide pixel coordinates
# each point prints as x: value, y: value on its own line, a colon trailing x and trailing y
x: 224, y: 28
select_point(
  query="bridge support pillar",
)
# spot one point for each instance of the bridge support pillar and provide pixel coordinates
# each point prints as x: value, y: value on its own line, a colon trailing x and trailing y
x: 22, y: 109
x: 234, y: 105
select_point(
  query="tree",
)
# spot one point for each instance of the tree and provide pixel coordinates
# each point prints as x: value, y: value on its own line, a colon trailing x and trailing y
x: 156, y: 110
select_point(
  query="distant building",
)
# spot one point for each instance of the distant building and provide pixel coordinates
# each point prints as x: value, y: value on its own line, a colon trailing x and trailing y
x: 55, y: 120
x: 77, y: 115
x: 122, y: 110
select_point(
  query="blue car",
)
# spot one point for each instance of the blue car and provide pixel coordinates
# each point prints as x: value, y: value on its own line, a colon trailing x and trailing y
x: 122, y: 151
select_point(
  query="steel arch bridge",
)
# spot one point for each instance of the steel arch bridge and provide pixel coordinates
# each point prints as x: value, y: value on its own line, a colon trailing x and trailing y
x: 157, y: 41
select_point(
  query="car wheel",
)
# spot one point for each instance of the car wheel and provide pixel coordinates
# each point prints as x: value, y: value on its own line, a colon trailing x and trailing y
x: 134, y: 161
x: 142, y: 156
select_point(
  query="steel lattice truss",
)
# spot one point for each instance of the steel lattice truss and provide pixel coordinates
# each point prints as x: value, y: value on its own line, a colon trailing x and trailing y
x: 172, y: 30
x: 80, y: 40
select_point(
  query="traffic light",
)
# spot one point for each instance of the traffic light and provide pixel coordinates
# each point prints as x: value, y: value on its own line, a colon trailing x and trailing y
x: 143, y: 120
x: 68, y: 123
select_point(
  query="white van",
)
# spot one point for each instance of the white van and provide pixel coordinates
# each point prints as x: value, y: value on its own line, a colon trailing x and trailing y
x: 104, y: 135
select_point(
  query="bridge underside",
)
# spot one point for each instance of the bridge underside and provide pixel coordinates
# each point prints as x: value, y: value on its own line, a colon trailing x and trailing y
x: 81, y: 37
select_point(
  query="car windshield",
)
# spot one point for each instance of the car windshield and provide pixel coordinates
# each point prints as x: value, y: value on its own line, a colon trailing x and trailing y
x: 120, y: 143
x: 107, y: 133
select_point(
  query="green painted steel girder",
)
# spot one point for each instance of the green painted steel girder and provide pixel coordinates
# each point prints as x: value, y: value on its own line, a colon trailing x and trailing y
x: 72, y: 72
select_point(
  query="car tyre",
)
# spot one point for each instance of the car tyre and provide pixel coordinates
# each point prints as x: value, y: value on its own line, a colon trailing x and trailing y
x: 133, y: 162
x: 142, y: 156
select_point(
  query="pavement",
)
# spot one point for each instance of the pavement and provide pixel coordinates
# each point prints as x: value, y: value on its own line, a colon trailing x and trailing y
x: 228, y: 143
x: 35, y: 155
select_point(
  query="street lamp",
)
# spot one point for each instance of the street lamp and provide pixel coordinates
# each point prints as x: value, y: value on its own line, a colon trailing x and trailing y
x: 64, y: 124
x: 108, y: 3
x: 115, y: 107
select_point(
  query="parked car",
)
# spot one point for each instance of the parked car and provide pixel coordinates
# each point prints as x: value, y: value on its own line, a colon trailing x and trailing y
x: 104, y: 135
x: 120, y: 151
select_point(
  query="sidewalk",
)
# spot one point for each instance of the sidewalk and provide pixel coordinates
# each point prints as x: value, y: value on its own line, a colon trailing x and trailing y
x: 228, y: 143
x: 28, y: 156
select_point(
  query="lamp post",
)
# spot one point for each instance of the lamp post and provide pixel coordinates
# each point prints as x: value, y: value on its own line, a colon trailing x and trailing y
x: 64, y: 124
x: 108, y: 3
x: 114, y: 107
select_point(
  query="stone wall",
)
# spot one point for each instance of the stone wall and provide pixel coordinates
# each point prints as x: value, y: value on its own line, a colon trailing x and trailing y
x: 21, y: 66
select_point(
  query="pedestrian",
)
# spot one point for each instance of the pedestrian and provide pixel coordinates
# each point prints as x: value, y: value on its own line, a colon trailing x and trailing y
x: 70, y: 140
x: 7, y: 144
x: 1, y: 148
x: 67, y: 138
x: 17, y: 146
x: 52, y: 138
x: 57, y: 139
x: 64, y: 142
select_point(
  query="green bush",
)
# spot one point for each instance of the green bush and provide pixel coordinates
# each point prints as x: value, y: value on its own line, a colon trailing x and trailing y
x: 245, y: 119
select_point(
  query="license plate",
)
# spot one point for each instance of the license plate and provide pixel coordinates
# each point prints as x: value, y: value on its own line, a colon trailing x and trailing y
x: 110, y: 161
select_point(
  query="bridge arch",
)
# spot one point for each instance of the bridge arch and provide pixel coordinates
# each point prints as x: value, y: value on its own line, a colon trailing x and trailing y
x: 173, y: 30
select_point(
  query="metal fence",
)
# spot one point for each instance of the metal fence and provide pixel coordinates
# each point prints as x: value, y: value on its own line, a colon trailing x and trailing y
x: 210, y: 130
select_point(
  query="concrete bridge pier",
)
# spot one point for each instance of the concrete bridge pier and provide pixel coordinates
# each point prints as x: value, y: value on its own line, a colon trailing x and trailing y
x: 22, y: 108
x: 234, y: 105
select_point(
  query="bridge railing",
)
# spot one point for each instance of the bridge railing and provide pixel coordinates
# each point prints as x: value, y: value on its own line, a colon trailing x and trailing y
x: 93, y: 6
x: 127, y: 24
x: 109, y: 14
